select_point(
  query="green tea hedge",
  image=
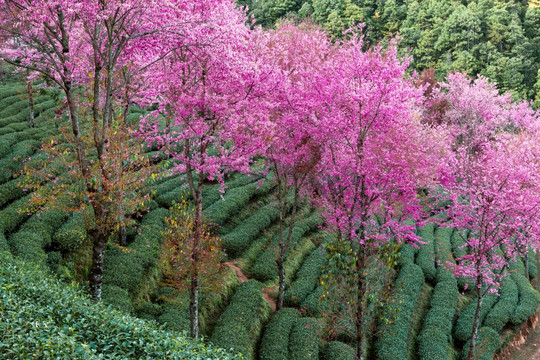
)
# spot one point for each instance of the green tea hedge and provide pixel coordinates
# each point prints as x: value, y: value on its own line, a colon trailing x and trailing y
x: 505, y: 307
x: 392, y: 341
x: 239, y: 240
x: 436, y: 331
x: 275, y: 340
x: 307, y: 278
x: 426, y: 253
x: 487, y: 343
x: 239, y: 326
x: 336, y: 350
x: 304, y: 340
x: 265, y: 268
x: 71, y: 234
x: 41, y: 317
x: 465, y: 321
x: 529, y: 299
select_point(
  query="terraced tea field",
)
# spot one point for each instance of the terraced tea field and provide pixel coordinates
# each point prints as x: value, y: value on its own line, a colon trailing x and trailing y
x: 432, y: 313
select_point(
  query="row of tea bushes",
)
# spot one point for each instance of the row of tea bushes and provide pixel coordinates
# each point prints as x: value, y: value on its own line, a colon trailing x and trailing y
x: 436, y: 332
x: 392, y: 342
x: 43, y: 318
x: 240, y: 325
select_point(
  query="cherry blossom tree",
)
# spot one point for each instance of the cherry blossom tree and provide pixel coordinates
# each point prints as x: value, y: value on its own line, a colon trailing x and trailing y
x: 493, y: 180
x: 300, y: 56
x: 376, y: 156
x: 82, y: 47
x: 205, y: 93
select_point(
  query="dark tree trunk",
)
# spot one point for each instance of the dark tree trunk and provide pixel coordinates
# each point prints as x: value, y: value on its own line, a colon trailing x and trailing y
x: 122, y: 233
x: 527, y: 265
x: 194, y: 306
x: 96, y: 271
x: 360, y: 307
x: 3, y: 74
x: 281, y: 285
x: 476, y: 324
x: 31, y: 119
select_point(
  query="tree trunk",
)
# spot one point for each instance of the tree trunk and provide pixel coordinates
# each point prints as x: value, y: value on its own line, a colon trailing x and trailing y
x: 31, y: 119
x: 194, y: 306
x: 476, y: 324
x: 527, y: 265
x: 96, y: 271
x: 122, y: 233
x: 360, y: 306
x: 2, y: 74
x: 281, y: 284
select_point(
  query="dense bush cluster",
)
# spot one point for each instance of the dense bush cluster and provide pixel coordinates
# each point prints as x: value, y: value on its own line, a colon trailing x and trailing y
x: 336, y: 350
x: 487, y: 343
x: 307, y: 278
x: 407, y: 254
x: 235, y: 199
x: 43, y: 318
x: 313, y: 305
x: 71, y: 234
x: 266, y: 267
x: 529, y: 299
x: 436, y: 332
x: 426, y: 253
x: 126, y: 267
x: 275, y: 341
x: 238, y: 240
x: 505, y: 307
x: 464, y: 324
x: 13, y: 215
x: 443, y: 253
x: 392, y: 341
x: 304, y: 340
x: 239, y: 326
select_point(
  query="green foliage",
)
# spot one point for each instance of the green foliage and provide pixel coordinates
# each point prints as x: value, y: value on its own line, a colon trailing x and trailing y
x: 12, y: 162
x: 307, y: 278
x: 426, y: 253
x: 505, y: 307
x: 275, y: 341
x: 43, y: 318
x: 234, y: 200
x: 335, y: 350
x: 407, y: 253
x: 238, y: 240
x: 239, y: 326
x: 10, y: 191
x: 487, y: 343
x: 117, y: 297
x: 266, y: 267
x: 529, y: 299
x: 4, y: 246
x: 175, y: 316
x: 392, y: 342
x: 54, y: 258
x: 436, y: 332
x: 304, y: 340
x: 465, y: 321
x: 312, y: 305
x: 443, y: 253
x: 71, y: 234
x: 28, y: 246
x: 14, y: 215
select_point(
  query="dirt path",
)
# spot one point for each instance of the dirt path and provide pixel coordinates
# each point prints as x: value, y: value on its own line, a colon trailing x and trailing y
x: 531, y: 349
x: 242, y: 277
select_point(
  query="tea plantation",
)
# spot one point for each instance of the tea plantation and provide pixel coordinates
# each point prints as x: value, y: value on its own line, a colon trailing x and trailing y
x: 44, y: 314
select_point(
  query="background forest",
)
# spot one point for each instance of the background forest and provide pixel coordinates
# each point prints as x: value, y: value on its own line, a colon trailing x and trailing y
x: 499, y: 39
